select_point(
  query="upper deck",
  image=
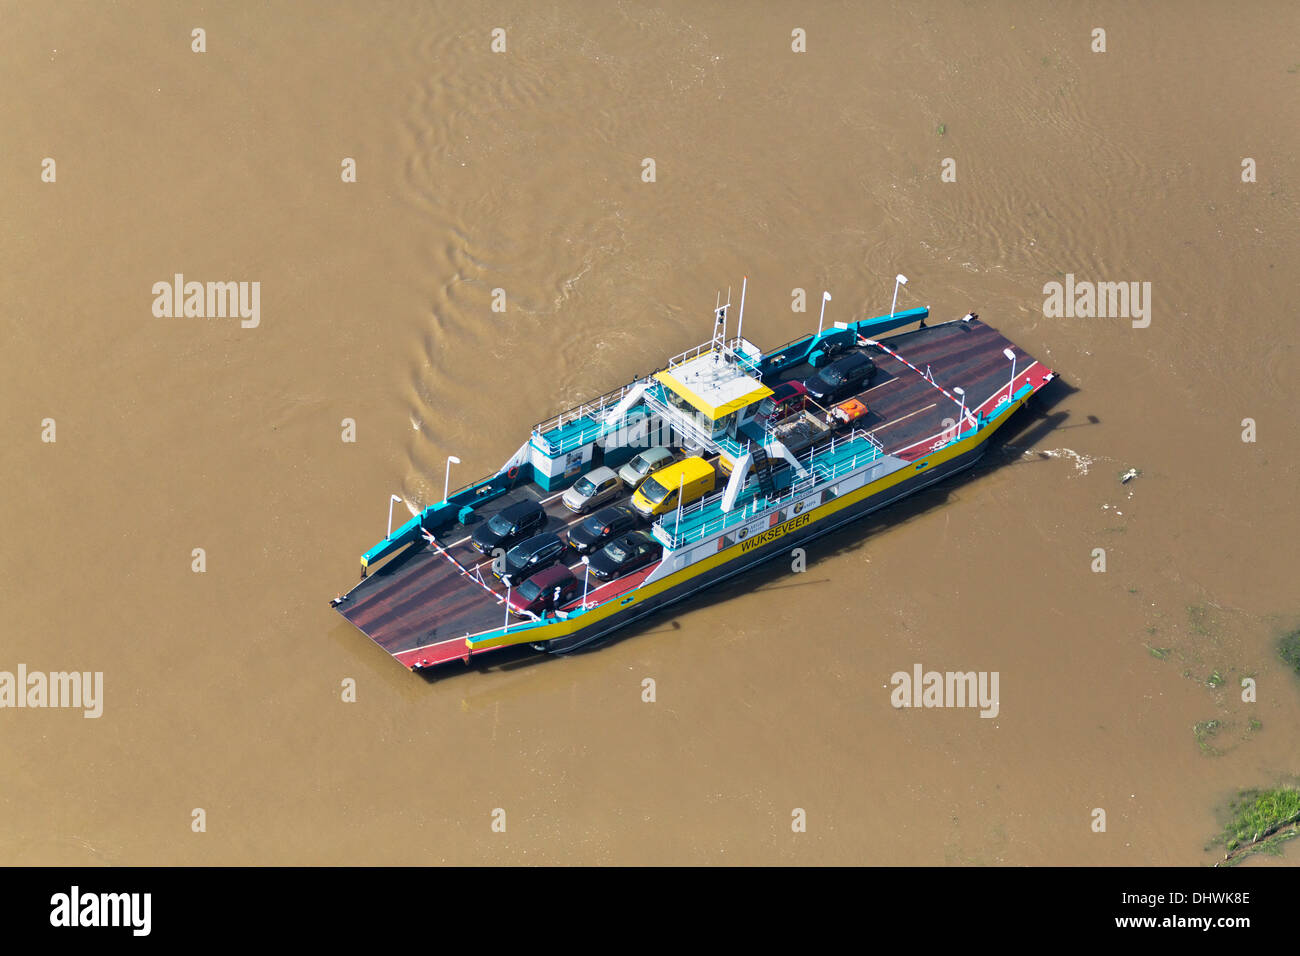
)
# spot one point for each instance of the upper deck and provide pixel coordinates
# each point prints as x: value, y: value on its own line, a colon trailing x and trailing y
x: 912, y: 409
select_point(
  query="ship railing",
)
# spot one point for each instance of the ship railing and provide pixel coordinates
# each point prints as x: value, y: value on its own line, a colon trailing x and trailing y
x: 716, y: 444
x: 736, y: 348
x: 594, y: 410
x: 682, y: 422
x: 809, y: 460
x: 731, y: 447
x: 824, y: 464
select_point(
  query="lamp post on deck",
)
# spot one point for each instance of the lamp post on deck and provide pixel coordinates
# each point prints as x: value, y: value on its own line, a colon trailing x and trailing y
x: 586, y: 578
x: 677, y: 525
x: 899, y: 279
x: 446, y: 480
x: 392, y: 499
x: 826, y: 297
x: 961, y: 416
x: 1011, y: 385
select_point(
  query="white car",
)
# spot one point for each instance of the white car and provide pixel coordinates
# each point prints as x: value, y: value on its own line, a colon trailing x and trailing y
x: 652, y: 459
x: 592, y: 490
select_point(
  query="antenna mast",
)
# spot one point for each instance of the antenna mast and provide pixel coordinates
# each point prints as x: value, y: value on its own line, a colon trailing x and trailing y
x: 719, y: 340
x: 741, y: 325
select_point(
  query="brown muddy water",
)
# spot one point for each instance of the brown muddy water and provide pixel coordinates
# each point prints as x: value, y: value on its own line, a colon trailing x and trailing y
x: 522, y: 170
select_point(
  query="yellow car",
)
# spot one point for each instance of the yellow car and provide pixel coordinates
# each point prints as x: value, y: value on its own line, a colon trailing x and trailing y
x: 693, y: 477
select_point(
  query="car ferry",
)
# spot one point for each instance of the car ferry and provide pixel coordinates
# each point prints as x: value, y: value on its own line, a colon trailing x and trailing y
x: 736, y: 456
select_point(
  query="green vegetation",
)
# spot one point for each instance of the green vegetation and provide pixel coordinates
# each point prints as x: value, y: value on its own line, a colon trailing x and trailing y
x: 942, y: 129
x: 1214, y: 680
x: 1289, y: 649
x: 1160, y: 653
x: 1198, y: 619
x: 1205, y: 731
x: 1260, y: 820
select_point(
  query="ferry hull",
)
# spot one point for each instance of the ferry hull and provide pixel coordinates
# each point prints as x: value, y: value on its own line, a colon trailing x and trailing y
x: 780, y: 547
x: 823, y: 519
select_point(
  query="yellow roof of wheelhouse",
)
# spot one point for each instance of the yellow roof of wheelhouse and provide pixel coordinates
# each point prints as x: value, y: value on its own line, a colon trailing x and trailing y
x: 719, y: 397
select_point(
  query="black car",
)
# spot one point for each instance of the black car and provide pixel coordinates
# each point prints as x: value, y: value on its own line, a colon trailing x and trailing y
x: 528, y: 557
x: 509, y: 526
x: 624, y: 555
x: 841, y: 378
x: 593, y: 533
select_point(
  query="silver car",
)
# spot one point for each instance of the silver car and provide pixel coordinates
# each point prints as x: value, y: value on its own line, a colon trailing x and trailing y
x: 592, y: 490
x: 652, y: 459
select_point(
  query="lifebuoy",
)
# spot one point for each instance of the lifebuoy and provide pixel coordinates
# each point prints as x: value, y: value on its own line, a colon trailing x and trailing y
x: 514, y: 471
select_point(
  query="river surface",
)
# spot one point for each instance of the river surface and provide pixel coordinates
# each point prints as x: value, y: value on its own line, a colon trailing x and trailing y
x: 523, y: 171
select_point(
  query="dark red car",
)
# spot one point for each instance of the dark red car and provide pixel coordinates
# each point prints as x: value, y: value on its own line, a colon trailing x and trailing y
x: 545, y: 591
x: 786, y: 399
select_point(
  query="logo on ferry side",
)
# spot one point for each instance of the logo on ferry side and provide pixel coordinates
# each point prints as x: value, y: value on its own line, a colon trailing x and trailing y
x: 773, y: 533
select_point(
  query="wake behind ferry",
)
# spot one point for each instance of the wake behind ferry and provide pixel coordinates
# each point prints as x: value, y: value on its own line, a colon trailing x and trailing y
x: 723, y: 458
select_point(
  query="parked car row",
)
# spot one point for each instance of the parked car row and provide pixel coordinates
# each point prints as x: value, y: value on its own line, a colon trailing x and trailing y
x: 602, y: 485
x: 610, y: 539
x: 594, y: 532
x: 555, y: 585
x: 541, y: 581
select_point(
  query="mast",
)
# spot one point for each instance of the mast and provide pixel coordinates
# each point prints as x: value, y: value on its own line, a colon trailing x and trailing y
x: 719, y: 340
x: 741, y: 325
